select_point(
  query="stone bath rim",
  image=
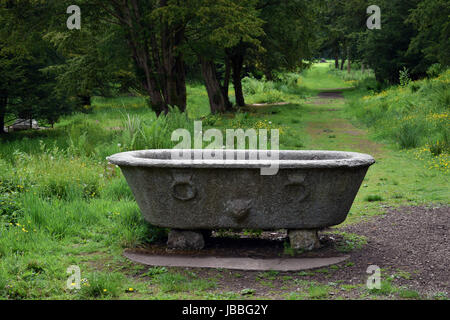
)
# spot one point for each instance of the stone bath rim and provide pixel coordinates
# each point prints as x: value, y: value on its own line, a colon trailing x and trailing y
x: 307, y: 159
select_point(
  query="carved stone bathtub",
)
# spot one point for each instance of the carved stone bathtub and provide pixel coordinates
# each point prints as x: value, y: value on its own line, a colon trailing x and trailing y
x: 312, y: 190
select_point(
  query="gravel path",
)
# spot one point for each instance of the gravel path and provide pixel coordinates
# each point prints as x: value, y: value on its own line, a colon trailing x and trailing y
x: 411, y: 239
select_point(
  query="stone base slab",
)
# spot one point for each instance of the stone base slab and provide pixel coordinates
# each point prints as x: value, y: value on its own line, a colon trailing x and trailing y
x: 234, y: 263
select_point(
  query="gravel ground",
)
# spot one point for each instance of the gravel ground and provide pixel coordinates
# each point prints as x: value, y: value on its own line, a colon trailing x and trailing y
x: 412, y: 239
x: 410, y: 243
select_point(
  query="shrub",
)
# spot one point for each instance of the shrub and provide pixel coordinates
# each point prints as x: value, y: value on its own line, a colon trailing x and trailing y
x: 441, y: 95
x: 253, y: 86
x: 404, y: 77
x: 261, y: 91
x: 409, y: 135
x: 408, y: 294
x: 373, y: 198
x: 84, y: 135
x: 410, y: 116
x: 10, y: 208
x: 154, y: 133
x: 101, y: 284
x: 434, y: 70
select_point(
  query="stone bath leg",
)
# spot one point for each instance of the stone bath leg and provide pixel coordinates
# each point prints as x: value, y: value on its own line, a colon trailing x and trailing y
x: 186, y: 240
x: 307, y: 239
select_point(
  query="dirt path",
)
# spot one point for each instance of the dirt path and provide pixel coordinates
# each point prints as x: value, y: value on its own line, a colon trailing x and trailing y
x: 328, y: 129
x: 412, y: 239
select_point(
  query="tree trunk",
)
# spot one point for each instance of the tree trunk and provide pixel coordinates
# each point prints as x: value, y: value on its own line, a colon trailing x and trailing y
x: 85, y: 100
x: 336, y: 55
x: 175, y: 85
x: 174, y: 76
x: 342, y: 63
x: 362, y: 67
x: 269, y: 75
x: 159, y: 70
x: 215, y: 93
x: 3, y: 102
x: 146, y: 74
x: 226, y: 84
x: 156, y: 99
x: 237, y: 63
x: 349, y: 61
x: 181, y: 83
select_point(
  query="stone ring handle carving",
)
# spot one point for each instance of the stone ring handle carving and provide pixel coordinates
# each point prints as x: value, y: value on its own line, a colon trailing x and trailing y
x: 238, y: 209
x: 182, y: 188
x: 296, y: 188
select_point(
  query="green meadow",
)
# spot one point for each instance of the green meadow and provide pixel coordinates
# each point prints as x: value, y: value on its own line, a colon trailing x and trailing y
x: 62, y: 204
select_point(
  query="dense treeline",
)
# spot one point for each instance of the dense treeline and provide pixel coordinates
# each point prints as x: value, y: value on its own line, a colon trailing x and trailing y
x: 150, y: 47
x: 414, y: 34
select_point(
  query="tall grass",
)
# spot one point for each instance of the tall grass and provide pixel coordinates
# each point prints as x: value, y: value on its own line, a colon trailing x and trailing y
x: 320, y: 77
x: 59, y: 197
x: 354, y: 76
x: 413, y: 115
x: 284, y: 89
x: 153, y: 133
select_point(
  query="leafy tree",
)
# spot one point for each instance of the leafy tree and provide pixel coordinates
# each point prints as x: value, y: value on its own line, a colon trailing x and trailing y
x: 154, y: 32
x: 25, y: 91
x: 331, y: 31
x: 386, y: 50
x: 217, y: 32
x: 289, y: 35
x: 94, y: 61
x: 288, y: 38
x: 431, y: 19
x: 353, y: 21
x: 343, y: 23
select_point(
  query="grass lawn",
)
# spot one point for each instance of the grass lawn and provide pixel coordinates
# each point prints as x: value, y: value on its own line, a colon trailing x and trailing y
x: 319, y: 78
x: 62, y: 204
